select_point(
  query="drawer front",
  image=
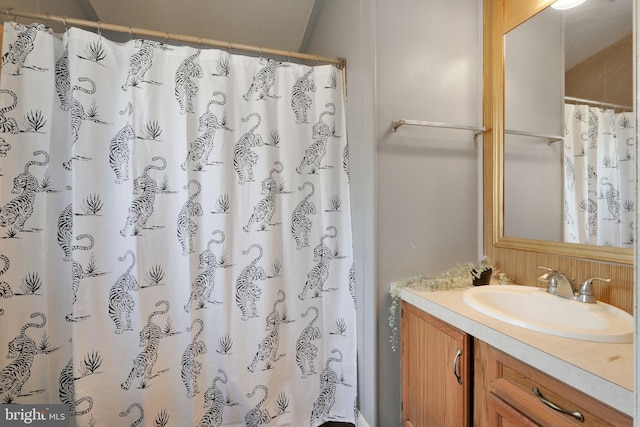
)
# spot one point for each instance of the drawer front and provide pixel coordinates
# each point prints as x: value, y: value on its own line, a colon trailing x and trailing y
x: 525, y: 402
x: 547, y: 401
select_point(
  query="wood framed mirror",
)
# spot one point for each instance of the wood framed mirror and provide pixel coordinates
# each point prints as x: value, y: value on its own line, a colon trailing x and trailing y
x: 501, y: 17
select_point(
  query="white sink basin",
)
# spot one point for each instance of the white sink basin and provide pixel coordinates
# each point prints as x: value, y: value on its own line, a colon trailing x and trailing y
x: 533, y: 308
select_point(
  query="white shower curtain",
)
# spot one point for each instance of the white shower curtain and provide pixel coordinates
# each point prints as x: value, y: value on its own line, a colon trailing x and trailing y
x: 176, y: 239
x: 599, y: 172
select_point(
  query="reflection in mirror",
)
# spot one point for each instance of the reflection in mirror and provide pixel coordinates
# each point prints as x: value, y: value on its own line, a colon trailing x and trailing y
x: 568, y: 74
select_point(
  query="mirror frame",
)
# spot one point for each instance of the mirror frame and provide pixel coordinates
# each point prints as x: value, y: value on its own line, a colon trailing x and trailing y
x: 501, y: 16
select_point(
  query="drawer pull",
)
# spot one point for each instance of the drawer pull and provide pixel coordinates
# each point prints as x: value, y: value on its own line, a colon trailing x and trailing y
x: 576, y: 414
x: 455, y: 366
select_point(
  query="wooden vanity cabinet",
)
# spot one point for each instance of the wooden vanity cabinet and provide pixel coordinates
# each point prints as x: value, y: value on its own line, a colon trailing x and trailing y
x: 503, y: 396
x: 436, y: 371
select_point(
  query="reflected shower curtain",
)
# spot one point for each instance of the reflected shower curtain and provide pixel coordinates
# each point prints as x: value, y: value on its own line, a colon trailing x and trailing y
x: 175, y: 234
x: 599, y: 176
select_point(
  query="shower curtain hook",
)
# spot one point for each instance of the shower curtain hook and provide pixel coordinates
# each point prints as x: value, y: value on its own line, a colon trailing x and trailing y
x: 48, y: 20
x: 317, y: 60
x: 130, y: 33
x: 166, y: 38
x: 64, y: 22
x: 289, y: 57
x: 8, y: 13
x: 200, y: 43
x: 99, y: 30
x: 229, y: 47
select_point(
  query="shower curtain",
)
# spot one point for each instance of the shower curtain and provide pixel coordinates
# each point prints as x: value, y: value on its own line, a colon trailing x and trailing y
x: 599, y: 176
x: 175, y: 234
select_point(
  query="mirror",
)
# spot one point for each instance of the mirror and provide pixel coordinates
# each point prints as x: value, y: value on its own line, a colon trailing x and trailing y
x: 586, y: 55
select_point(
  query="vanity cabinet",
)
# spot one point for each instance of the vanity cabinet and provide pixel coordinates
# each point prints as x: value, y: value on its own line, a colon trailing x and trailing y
x: 436, y: 371
x: 504, y: 396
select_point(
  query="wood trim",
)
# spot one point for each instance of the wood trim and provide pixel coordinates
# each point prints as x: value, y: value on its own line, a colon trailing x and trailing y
x: 518, y: 11
x: 605, y: 253
x: 492, y: 113
x: 482, y: 369
x: 519, y: 258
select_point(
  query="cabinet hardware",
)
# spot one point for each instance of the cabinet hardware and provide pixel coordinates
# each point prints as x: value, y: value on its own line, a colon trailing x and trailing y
x: 455, y: 366
x: 575, y: 414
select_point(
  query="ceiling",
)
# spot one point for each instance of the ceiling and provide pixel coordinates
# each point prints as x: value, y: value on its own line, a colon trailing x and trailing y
x: 276, y: 24
x: 595, y: 25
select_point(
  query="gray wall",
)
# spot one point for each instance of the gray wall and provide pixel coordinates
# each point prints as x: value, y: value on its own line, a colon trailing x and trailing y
x: 418, y: 190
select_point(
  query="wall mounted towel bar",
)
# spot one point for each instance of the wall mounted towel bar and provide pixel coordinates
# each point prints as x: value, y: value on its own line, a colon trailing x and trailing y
x: 550, y: 138
x: 395, y: 124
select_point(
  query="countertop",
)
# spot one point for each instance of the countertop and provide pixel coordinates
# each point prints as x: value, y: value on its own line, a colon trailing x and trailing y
x: 601, y: 370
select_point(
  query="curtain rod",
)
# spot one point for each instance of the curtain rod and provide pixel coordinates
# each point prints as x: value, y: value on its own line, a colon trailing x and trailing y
x: 340, y: 62
x: 604, y: 104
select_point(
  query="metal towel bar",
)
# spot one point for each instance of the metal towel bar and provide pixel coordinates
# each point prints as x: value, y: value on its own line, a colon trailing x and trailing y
x: 550, y: 138
x: 395, y: 124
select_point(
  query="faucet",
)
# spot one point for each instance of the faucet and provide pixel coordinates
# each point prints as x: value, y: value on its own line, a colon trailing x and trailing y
x: 561, y: 285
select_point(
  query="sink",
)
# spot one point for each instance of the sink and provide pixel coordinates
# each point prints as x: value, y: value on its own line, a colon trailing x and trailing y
x: 533, y: 308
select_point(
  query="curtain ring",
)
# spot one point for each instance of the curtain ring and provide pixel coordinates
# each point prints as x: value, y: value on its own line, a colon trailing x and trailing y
x: 261, y: 53
x: 130, y: 34
x: 99, y: 29
x: 64, y: 22
x: 9, y: 9
x: 228, y: 47
x: 200, y: 43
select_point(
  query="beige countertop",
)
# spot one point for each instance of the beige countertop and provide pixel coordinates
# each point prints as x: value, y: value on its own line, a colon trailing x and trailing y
x: 601, y: 370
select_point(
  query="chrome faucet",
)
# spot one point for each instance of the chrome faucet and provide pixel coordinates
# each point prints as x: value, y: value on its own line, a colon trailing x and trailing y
x: 559, y: 284
x: 562, y: 286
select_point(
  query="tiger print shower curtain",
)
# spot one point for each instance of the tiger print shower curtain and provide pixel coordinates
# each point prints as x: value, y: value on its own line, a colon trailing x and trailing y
x: 175, y: 234
x: 599, y: 171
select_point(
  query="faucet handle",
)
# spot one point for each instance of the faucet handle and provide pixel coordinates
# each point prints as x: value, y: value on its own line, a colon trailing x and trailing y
x: 586, y: 294
x: 547, y: 273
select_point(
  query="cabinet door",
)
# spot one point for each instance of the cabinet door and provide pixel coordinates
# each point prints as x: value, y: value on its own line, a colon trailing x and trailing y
x: 435, y: 371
